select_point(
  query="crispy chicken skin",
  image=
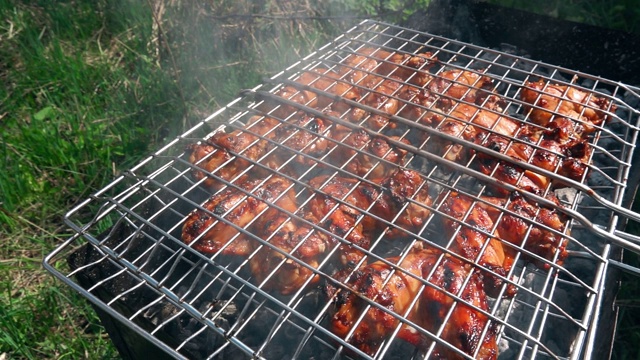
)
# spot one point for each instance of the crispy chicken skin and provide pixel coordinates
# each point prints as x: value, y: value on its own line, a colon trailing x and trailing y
x: 400, y: 290
x: 208, y: 234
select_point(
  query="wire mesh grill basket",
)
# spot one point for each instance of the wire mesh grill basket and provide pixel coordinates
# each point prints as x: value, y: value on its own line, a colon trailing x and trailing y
x: 137, y: 267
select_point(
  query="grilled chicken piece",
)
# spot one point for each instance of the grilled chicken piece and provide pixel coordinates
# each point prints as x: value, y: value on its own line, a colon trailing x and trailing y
x: 307, y: 135
x: 408, y: 195
x: 469, y: 219
x: 469, y: 123
x: 289, y: 236
x: 381, y: 96
x: 514, y: 219
x: 395, y: 289
x: 458, y: 84
x: 549, y: 150
x: 310, y: 246
x: 347, y: 220
x: 215, y: 156
x: 556, y: 100
x: 431, y: 104
x: 339, y: 208
x: 363, y: 66
x: 304, y: 139
x: 360, y: 154
x: 309, y: 90
x: 528, y: 225
x: 420, y: 105
x: 204, y: 230
x: 209, y: 158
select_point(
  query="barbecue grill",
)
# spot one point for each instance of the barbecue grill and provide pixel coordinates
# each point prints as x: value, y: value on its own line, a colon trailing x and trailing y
x: 137, y: 269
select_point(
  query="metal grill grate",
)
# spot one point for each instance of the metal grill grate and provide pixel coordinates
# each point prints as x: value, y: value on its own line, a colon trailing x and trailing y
x: 193, y: 304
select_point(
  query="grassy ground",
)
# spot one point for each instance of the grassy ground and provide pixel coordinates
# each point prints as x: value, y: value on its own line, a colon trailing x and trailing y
x: 90, y: 87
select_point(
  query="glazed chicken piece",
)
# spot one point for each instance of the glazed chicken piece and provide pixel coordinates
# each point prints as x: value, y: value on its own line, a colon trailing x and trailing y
x: 468, y: 220
x: 346, y: 219
x: 431, y: 104
x: 409, y: 197
x: 381, y: 96
x: 456, y: 84
x: 510, y: 173
x: 308, y: 90
x: 395, y: 288
x: 548, y: 150
x: 514, y: 219
x: 528, y: 225
x: 556, y: 100
x: 359, y: 153
x: 207, y: 157
x: 469, y: 123
x: 338, y: 206
x: 420, y: 105
x: 214, y: 156
x: 304, y: 140
x: 310, y: 246
x: 363, y: 66
x: 290, y: 236
x: 204, y: 230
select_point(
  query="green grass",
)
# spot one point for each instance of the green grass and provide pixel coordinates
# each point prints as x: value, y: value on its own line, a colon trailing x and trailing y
x: 92, y: 86
x: 81, y: 97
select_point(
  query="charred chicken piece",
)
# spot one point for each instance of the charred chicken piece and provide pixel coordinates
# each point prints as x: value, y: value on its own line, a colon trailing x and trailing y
x: 554, y: 100
x: 395, y: 289
x: 210, y: 230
